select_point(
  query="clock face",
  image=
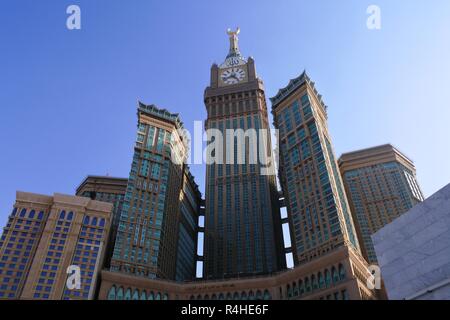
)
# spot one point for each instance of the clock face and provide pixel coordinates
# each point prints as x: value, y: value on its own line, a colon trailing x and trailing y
x: 233, y: 75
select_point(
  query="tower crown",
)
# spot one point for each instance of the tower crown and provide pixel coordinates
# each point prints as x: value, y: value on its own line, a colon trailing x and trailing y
x: 234, y: 57
x: 234, y: 47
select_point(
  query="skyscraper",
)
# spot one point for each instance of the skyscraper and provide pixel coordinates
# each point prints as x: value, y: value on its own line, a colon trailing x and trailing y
x: 381, y: 185
x: 46, y: 235
x: 106, y: 189
x: 242, y: 220
x: 151, y: 221
x: 190, y: 201
x: 319, y: 215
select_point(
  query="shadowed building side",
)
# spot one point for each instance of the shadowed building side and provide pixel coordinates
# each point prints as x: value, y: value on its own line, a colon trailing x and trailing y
x: 106, y: 189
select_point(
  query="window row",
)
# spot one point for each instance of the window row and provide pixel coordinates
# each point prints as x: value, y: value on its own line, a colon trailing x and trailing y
x: 136, y: 294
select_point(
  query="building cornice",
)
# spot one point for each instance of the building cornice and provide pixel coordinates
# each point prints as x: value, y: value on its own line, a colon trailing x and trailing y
x: 293, y: 85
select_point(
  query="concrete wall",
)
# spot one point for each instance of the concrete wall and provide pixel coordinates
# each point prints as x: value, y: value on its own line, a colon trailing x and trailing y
x: 414, y: 250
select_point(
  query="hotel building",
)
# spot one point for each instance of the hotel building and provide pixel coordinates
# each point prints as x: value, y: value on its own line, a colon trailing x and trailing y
x: 243, y: 232
x: 319, y: 216
x: 45, y: 235
x: 106, y: 189
x: 381, y: 185
x: 155, y: 237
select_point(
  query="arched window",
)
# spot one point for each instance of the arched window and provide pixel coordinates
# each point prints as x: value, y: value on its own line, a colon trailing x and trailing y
x: 295, y: 289
x: 165, y: 296
x: 327, y: 278
x: 214, y: 297
x: 236, y: 296
x: 267, y: 295
x: 244, y: 296
x: 22, y: 213
x: 143, y: 295
x: 120, y: 294
x: 62, y: 215
x: 259, y: 295
x: 31, y: 214
x: 289, y: 291
x: 94, y: 221
x: 229, y: 296
x: 301, y: 287
x: 341, y: 272
x: 112, y: 293
x: 321, y: 280
x: 86, y: 220
x: 128, y: 294
x: 135, y: 295
x: 151, y: 296
x: 41, y: 215
x: 102, y: 222
x: 158, y: 296
x: 307, y: 285
x: 221, y: 296
x: 206, y: 297
x: 199, y: 297
x: 13, y: 213
x: 251, y: 295
x: 192, y: 298
x: 70, y: 216
x: 314, y: 282
x: 335, y: 275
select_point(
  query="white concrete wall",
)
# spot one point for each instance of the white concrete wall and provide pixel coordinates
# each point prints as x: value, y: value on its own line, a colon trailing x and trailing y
x: 414, y: 250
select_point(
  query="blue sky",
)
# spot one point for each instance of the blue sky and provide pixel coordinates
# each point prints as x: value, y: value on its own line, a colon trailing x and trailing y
x: 68, y: 98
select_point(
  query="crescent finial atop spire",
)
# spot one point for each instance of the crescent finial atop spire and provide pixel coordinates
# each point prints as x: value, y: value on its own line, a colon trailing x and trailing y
x: 234, y: 47
x: 234, y: 57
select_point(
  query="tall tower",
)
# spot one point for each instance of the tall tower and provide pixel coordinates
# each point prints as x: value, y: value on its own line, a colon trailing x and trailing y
x: 319, y: 215
x: 242, y: 220
x: 381, y: 185
x: 154, y: 214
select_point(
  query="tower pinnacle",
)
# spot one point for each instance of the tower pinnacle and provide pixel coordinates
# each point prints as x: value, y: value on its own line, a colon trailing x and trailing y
x: 234, y: 47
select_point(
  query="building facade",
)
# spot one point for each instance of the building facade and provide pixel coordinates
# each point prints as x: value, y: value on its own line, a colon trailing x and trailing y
x: 341, y: 275
x: 190, y: 209
x: 242, y: 221
x: 319, y: 215
x: 381, y: 185
x: 46, y: 235
x: 150, y: 222
x: 412, y: 251
x: 106, y: 189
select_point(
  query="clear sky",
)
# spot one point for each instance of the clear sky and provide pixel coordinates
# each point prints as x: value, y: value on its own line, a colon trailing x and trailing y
x: 68, y: 98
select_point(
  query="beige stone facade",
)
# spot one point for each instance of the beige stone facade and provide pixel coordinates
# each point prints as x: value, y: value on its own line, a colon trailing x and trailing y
x: 381, y: 184
x: 47, y: 234
x: 339, y: 275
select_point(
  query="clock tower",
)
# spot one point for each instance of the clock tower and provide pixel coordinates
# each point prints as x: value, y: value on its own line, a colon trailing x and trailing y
x: 243, y: 233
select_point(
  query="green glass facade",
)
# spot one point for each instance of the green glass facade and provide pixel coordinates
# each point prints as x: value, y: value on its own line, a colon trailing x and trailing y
x: 319, y: 216
x: 147, y: 237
